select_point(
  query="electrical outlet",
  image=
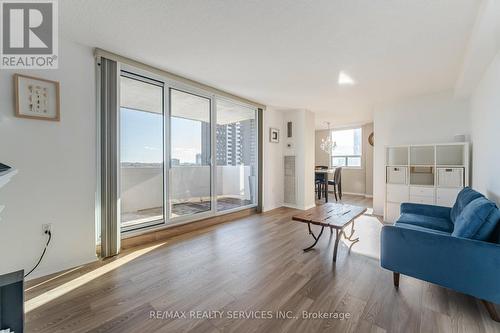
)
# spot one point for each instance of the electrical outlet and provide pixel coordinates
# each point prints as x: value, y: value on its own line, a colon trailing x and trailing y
x: 46, y: 228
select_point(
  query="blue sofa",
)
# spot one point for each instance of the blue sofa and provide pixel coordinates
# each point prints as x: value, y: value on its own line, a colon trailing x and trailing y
x: 457, y: 248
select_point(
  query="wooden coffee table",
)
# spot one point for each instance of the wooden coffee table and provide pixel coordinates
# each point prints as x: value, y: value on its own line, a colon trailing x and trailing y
x: 334, y: 216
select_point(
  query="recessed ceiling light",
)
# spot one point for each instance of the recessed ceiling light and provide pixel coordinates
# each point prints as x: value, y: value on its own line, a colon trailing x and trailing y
x: 345, y: 80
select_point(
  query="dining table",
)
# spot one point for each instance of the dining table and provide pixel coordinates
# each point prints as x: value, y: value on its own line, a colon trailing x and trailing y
x: 323, y: 173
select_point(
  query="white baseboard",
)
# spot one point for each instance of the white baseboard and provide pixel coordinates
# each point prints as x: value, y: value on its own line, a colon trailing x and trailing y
x: 271, y: 207
x: 62, y: 267
x: 356, y: 194
x: 299, y: 207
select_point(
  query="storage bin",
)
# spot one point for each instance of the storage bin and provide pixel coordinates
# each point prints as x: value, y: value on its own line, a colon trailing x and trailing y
x: 396, y: 175
x: 450, y: 177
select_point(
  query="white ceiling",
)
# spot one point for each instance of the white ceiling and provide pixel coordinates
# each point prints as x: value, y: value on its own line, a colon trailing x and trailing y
x: 288, y: 53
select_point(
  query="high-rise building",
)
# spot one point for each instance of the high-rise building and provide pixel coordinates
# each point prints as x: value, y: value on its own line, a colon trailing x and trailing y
x: 236, y: 143
x: 221, y: 145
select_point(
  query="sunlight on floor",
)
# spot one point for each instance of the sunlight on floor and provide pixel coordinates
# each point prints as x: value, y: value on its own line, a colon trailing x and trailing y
x: 367, y: 228
x: 54, y: 278
x: 80, y: 281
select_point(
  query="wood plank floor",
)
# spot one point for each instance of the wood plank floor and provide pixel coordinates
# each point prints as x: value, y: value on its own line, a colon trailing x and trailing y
x: 252, y: 264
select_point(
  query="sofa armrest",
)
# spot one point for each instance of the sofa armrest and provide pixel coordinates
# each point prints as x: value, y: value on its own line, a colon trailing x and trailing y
x: 468, y: 266
x: 427, y: 210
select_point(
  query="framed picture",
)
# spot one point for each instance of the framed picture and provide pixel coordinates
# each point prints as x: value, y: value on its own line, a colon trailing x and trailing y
x: 274, y: 135
x: 36, y: 98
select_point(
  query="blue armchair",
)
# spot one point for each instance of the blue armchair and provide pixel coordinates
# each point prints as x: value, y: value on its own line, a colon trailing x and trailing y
x: 457, y: 248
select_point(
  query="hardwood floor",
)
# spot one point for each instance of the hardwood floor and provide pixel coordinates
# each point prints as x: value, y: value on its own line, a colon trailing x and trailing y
x: 252, y: 264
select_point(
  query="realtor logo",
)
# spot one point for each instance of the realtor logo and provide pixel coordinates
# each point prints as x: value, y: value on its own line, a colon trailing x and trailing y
x: 29, y: 34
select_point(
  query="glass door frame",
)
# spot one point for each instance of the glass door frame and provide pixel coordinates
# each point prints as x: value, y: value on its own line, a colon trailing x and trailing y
x: 169, y: 83
x: 257, y: 191
x: 203, y: 94
x: 132, y: 73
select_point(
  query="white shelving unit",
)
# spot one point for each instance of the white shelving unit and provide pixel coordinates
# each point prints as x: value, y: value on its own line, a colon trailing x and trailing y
x: 428, y: 174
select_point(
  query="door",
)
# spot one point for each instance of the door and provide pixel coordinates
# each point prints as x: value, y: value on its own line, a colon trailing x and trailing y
x: 190, y: 174
x: 141, y: 152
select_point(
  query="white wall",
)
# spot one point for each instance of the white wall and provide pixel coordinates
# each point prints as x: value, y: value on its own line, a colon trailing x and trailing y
x: 307, y: 144
x: 302, y: 147
x: 354, y: 180
x: 485, y: 132
x: 273, y: 160
x: 422, y: 119
x: 57, y: 170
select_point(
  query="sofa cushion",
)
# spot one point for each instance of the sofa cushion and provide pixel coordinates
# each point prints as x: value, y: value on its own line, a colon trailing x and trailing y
x: 477, y: 220
x: 427, y: 210
x: 465, y: 196
x: 419, y: 228
x: 430, y: 222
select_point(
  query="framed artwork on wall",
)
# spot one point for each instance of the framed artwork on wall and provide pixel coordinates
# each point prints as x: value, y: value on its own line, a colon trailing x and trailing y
x: 274, y: 135
x: 36, y: 98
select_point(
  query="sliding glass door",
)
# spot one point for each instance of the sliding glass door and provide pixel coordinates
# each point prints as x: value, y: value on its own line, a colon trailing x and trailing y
x: 184, y: 154
x: 141, y: 152
x: 190, y: 154
x: 236, y: 155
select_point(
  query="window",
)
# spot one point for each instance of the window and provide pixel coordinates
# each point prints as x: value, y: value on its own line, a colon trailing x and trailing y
x: 347, y: 153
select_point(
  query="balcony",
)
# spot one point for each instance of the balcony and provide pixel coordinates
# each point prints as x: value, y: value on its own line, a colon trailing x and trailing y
x: 142, y: 191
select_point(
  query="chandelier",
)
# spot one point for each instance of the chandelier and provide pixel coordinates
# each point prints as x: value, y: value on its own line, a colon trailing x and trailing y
x: 328, y: 145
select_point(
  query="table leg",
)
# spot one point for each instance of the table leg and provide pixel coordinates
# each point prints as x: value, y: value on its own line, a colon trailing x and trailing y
x: 326, y: 190
x: 315, y: 238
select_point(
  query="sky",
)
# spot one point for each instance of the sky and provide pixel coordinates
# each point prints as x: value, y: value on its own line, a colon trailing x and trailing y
x: 142, y: 137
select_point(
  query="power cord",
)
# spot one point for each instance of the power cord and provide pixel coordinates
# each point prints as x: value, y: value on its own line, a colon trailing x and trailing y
x: 47, y: 232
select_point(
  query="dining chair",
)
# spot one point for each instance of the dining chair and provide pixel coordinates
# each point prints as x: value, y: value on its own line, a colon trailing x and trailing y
x: 337, y: 183
x: 320, y: 180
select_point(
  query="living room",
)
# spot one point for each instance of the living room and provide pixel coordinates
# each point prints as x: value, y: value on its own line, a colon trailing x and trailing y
x: 170, y: 166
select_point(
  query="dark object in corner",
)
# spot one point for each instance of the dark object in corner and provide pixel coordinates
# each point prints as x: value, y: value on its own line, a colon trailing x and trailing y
x: 4, y: 167
x: 12, y: 301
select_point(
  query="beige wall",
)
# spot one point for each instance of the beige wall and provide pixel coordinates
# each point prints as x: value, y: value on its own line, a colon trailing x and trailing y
x: 359, y: 181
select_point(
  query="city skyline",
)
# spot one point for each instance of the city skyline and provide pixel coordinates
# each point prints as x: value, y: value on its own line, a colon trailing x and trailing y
x: 142, y: 140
